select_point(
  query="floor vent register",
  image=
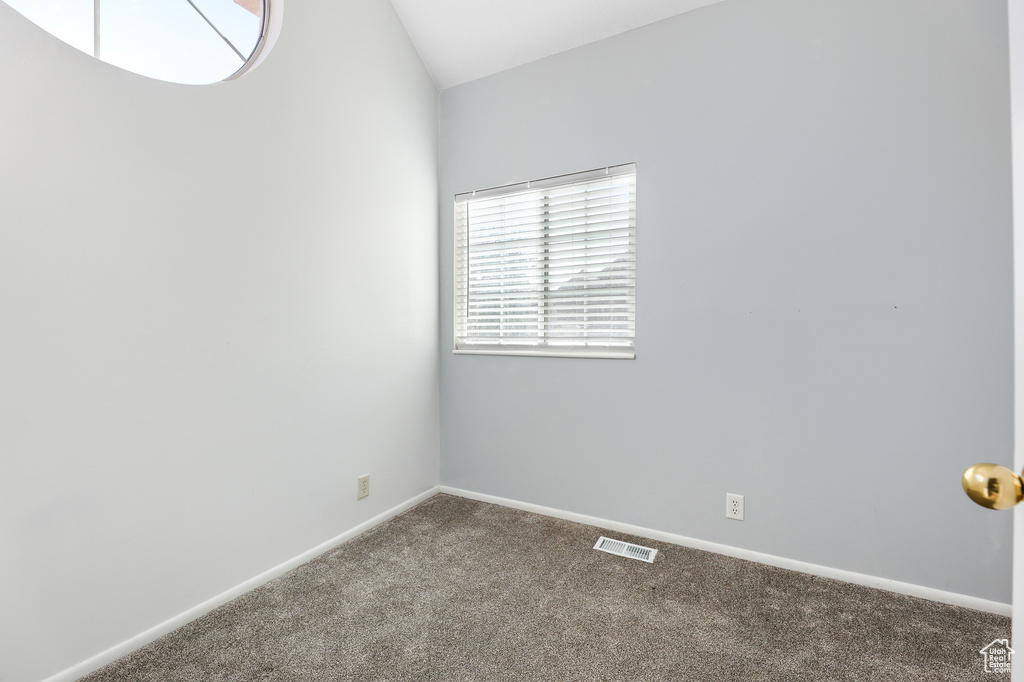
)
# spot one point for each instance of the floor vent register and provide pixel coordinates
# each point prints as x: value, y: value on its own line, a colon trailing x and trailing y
x: 626, y: 549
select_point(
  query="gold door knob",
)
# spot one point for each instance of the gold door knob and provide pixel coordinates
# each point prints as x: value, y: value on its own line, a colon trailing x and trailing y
x: 993, y: 486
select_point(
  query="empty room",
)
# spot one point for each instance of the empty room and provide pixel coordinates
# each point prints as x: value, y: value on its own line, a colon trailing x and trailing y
x: 534, y: 340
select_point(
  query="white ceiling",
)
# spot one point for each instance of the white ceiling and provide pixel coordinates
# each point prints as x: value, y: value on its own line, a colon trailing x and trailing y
x: 462, y: 40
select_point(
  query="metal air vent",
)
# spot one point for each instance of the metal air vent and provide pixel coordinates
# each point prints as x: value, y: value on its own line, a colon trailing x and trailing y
x: 626, y: 549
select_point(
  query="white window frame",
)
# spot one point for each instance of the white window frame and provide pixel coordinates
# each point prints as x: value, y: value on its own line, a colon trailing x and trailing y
x: 153, y: 60
x: 548, y: 267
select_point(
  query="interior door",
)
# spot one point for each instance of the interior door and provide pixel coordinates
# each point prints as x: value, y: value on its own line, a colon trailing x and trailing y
x: 1016, y: 21
x: 987, y: 484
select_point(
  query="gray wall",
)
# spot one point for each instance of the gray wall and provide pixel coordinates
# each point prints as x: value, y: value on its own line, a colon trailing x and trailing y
x: 214, y: 315
x: 823, y: 286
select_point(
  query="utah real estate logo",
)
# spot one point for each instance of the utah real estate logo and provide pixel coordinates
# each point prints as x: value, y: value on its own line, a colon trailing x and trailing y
x: 998, y: 656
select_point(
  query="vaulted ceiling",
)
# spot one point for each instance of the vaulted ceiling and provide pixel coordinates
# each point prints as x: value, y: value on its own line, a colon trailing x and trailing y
x: 462, y: 40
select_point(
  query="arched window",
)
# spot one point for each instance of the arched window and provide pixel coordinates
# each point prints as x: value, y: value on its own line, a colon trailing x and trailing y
x: 182, y: 41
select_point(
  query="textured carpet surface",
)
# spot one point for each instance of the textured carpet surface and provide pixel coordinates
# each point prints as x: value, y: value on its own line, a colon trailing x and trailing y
x: 461, y: 590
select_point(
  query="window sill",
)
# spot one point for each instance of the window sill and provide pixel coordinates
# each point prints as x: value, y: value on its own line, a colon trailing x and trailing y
x: 603, y: 354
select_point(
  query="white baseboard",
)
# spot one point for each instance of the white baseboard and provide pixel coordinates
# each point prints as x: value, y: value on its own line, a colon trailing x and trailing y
x: 126, y: 647
x: 129, y: 645
x: 801, y: 566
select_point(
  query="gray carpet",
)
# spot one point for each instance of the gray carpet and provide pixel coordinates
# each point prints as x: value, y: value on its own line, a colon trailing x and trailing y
x: 461, y: 590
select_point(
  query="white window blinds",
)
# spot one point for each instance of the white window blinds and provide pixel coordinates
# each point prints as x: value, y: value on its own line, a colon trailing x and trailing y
x: 548, y: 267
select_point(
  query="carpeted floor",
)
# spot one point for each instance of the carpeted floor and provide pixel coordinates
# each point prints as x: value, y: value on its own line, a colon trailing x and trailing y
x: 461, y: 590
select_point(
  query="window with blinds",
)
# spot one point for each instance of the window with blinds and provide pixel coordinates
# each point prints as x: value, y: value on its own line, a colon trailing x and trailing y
x: 548, y: 267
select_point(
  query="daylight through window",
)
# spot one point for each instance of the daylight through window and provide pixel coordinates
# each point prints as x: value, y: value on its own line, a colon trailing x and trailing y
x: 548, y: 267
x: 182, y: 41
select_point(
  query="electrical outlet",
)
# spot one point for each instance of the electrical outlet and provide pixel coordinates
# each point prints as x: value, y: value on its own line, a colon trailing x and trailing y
x: 364, y: 487
x: 734, y: 507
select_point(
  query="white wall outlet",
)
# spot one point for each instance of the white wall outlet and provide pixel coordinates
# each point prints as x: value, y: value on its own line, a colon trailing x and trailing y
x: 364, y: 487
x: 734, y: 507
